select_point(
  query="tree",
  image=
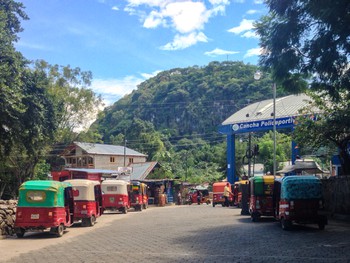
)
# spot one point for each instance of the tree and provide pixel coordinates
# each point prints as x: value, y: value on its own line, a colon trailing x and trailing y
x: 75, y: 105
x: 309, y: 40
x: 12, y: 65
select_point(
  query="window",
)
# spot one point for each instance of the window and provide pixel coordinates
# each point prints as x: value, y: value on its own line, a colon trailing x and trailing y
x: 35, y: 196
x: 131, y: 160
x: 112, y: 159
x: 111, y: 188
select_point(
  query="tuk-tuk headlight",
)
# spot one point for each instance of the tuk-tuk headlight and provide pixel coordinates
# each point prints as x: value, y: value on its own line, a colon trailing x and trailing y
x: 84, y: 206
x: 50, y: 214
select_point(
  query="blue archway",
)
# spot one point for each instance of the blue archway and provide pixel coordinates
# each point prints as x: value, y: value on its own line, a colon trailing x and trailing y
x: 258, y: 117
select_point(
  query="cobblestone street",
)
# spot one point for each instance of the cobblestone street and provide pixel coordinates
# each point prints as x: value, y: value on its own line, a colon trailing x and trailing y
x: 188, y: 234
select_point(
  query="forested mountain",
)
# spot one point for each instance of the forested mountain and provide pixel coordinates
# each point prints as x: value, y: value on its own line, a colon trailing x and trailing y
x: 181, y: 109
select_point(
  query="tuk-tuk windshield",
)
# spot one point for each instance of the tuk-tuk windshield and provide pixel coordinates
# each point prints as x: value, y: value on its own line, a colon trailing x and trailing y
x: 301, y: 188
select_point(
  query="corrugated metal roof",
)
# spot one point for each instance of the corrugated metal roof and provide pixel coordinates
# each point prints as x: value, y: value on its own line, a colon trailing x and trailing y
x: 141, y: 170
x: 285, y: 107
x: 96, y: 148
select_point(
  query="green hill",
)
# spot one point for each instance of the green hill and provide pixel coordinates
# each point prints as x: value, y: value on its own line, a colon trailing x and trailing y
x: 177, y: 113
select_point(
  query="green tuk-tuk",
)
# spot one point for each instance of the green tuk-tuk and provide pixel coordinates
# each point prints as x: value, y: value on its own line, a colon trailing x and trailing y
x: 42, y: 205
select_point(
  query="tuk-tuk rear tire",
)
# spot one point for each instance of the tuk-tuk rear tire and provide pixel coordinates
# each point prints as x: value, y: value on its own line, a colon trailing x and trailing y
x: 254, y: 217
x: 59, y: 230
x: 91, y: 221
x: 321, y: 225
x: 214, y: 204
x: 20, y: 232
x: 125, y: 210
x: 285, y: 224
x: 144, y: 206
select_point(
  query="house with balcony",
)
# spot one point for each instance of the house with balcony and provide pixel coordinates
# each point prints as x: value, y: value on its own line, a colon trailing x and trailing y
x: 100, y: 156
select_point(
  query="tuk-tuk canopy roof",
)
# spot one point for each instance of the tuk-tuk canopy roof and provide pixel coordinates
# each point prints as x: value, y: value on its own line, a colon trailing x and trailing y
x: 40, y: 193
x: 301, y: 187
x: 45, y: 185
x: 114, y: 182
x: 262, y: 185
x: 85, y: 188
x: 114, y: 186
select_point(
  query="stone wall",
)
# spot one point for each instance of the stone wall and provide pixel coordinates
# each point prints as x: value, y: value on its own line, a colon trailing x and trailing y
x: 7, y: 217
x: 336, y: 192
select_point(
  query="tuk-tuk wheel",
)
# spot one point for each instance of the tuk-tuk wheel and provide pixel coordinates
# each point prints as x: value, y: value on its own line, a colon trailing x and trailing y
x: 254, y: 217
x: 285, y: 224
x: 20, y: 232
x: 321, y: 226
x: 144, y: 206
x: 213, y: 204
x: 125, y: 210
x: 91, y: 221
x: 60, y: 230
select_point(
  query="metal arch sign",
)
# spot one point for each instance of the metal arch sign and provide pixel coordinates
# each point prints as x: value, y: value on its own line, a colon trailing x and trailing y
x: 259, y: 125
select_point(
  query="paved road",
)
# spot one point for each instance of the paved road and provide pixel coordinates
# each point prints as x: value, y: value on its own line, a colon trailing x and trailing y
x: 183, y: 234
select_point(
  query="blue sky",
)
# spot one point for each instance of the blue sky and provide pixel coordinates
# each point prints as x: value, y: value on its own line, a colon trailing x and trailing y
x: 124, y: 42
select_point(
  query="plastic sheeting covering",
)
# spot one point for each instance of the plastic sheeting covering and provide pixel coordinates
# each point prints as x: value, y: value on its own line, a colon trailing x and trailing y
x: 301, y: 187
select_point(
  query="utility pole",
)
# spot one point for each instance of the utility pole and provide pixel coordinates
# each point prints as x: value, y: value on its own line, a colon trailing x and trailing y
x: 124, y: 148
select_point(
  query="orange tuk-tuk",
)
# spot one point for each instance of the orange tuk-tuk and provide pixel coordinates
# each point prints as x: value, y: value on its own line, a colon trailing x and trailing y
x: 218, y: 194
x: 43, y: 205
x: 115, y: 195
x: 261, y: 196
x: 138, y: 195
x: 87, y: 200
x: 299, y: 199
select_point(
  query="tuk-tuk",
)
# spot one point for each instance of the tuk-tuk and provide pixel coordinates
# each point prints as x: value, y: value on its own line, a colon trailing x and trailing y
x: 138, y: 195
x: 218, y: 194
x: 237, y: 192
x: 115, y: 195
x: 299, y: 199
x: 199, y: 196
x: 261, y: 196
x: 87, y: 200
x: 43, y: 205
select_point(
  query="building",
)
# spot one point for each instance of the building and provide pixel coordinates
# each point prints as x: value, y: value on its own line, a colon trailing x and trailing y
x: 100, y: 156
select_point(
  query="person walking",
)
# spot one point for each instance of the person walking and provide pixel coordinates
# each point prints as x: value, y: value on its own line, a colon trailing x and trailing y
x: 227, y: 193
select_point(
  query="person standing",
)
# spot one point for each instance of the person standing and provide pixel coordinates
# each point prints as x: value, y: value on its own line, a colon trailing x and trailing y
x: 227, y: 193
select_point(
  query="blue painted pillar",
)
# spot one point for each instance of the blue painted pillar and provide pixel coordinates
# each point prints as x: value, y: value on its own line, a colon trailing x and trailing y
x: 231, y: 167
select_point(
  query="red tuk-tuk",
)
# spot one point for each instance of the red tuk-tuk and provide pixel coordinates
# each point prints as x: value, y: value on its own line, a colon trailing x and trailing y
x: 299, y: 199
x: 218, y: 194
x: 43, y: 205
x: 261, y: 196
x: 199, y: 196
x: 138, y: 195
x: 87, y: 200
x: 115, y: 195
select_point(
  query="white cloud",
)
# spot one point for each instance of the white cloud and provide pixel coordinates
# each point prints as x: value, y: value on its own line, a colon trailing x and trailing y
x: 253, y: 52
x: 185, y: 41
x: 250, y: 34
x: 245, y: 25
x: 219, y: 52
x: 258, y: 2
x: 186, y: 17
x: 112, y: 90
x: 252, y: 12
x: 115, y: 8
